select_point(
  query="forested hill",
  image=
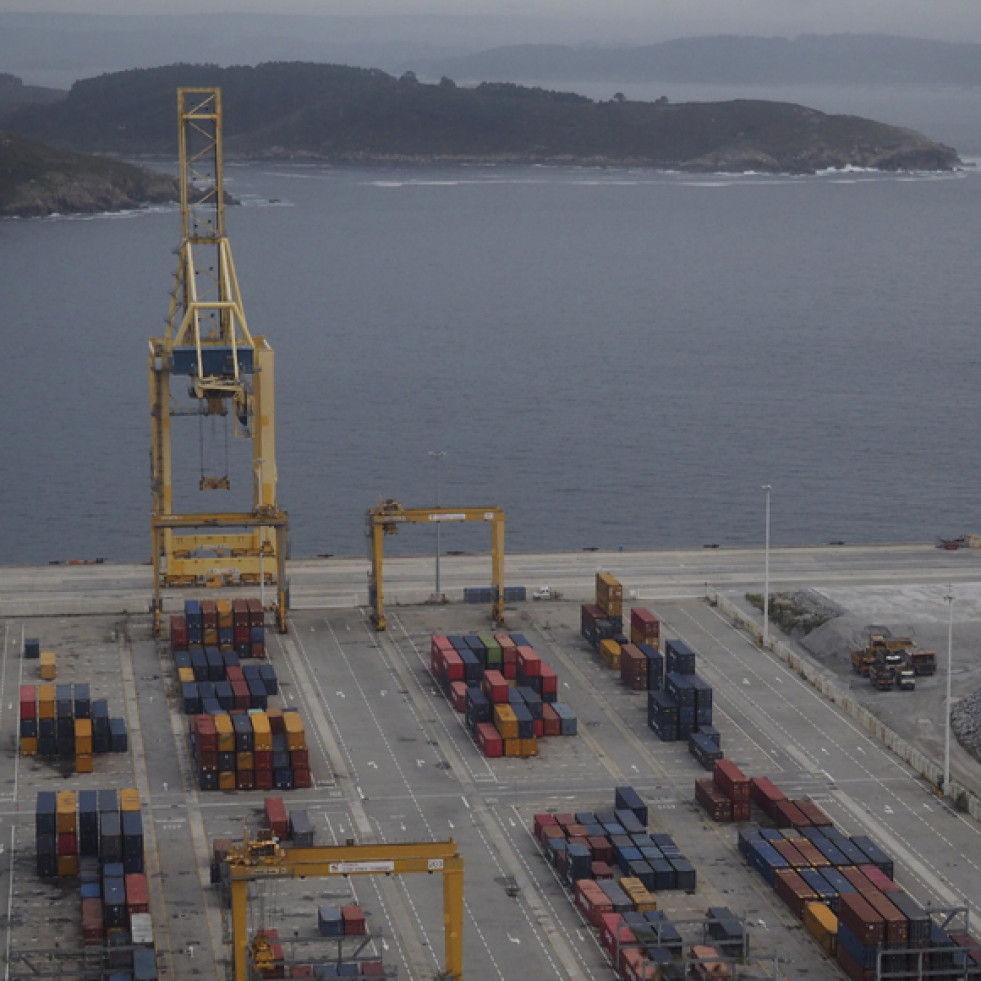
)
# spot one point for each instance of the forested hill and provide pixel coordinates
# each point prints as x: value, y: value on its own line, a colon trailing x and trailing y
x: 341, y: 114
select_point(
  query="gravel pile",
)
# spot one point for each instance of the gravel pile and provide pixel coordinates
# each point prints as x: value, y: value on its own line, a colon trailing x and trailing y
x: 965, y: 721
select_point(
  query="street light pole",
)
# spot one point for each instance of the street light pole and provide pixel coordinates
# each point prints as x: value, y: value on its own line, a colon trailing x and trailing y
x: 437, y: 455
x: 766, y: 571
x: 950, y: 645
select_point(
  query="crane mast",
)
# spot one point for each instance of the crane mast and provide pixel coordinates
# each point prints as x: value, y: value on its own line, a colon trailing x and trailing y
x: 208, y: 342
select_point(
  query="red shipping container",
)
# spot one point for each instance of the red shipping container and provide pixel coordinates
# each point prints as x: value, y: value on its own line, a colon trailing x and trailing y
x: 277, y: 820
x: 489, y: 740
x: 878, y: 878
x: 302, y: 778
x: 301, y: 971
x: 966, y: 940
x: 354, y: 921
x: 509, y: 653
x: 730, y: 780
x: 263, y: 779
x: 258, y: 649
x: 550, y: 680
x: 495, y: 687
x: 241, y: 696
x: 257, y: 615
x: 529, y: 663
x: 897, y: 926
x: 614, y: 932
x: 207, y: 759
x: 178, y: 633
x: 137, y: 895
x: 855, y: 911
x: 263, y: 759
x: 240, y: 613
x: 857, y: 878
x: 244, y: 779
x: 636, y: 966
x: 234, y: 673
x: 811, y: 854
x: 552, y: 724
x: 741, y: 810
x: 510, y: 670
x: 209, y: 614
x: 538, y: 727
x: 28, y: 702
x: 241, y: 635
x: 592, y: 901
x: 601, y: 870
x: 67, y: 843
x: 300, y: 757
x: 438, y: 642
x: 452, y: 666
x: 645, y: 628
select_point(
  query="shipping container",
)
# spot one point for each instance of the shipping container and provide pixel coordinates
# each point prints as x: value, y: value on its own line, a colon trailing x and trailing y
x: 731, y: 780
x: 793, y: 890
x: 856, y: 913
x: 821, y: 924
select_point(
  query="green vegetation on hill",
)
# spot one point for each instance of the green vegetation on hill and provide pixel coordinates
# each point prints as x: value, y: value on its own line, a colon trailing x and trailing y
x: 341, y: 114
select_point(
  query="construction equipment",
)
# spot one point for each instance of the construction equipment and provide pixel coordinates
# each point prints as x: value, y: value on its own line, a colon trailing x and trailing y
x: 890, y: 662
x: 230, y: 379
x: 267, y: 859
x: 385, y: 520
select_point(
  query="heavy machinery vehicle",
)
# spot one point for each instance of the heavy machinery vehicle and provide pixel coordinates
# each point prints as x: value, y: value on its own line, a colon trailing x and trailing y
x: 228, y: 374
x: 893, y: 662
x: 264, y: 858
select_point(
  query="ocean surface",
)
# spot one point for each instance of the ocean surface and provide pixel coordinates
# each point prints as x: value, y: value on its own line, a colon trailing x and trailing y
x: 616, y: 357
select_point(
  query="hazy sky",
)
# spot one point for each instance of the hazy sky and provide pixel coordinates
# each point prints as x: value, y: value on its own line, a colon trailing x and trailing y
x: 950, y: 19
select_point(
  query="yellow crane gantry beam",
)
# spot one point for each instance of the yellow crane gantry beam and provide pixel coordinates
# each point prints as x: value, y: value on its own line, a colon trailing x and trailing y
x: 253, y: 861
x: 385, y: 520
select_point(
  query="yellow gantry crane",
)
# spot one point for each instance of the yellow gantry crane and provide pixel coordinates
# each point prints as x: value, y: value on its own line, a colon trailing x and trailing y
x: 208, y: 343
x: 258, y: 860
x: 385, y: 520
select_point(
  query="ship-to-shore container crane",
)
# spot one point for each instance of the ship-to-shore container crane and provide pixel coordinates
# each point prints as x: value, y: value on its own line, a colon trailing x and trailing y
x: 208, y: 343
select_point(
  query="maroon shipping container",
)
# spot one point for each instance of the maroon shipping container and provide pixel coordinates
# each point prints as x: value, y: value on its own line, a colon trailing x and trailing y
x: 565, y: 818
x: 601, y: 870
x: 542, y: 821
x: 633, y: 667
x: 741, y: 810
x: 786, y: 814
x: 793, y: 890
x: 137, y: 895
x: 241, y: 696
x: 244, y: 779
x: 178, y: 633
x: 789, y: 852
x: 811, y: 854
x: 600, y: 848
x: 277, y: 819
x: 730, y: 780
x: 458, y: 695
x: 550, y: 680
x: 240, y: 613
x: 242, y: 635
x: 302, y: 777
x: 452, y: 666
x: 765, y: 794
x: 613, y: 932
x: 712, y: 800
x: 207, y: 737
x: 354, y: 921
x: 861, y: 918
x: 92, y: 929
x: 645, y: 628
x: 575, y: 830
x: 589, y: 613
x: 592, y: 901
x: 815, y: 816
x: 300, y: 758
x: 67, y: 843
x: 209, y: 614
x: 257, y: 615
x: 857, y: 878
x: 897, y: 927
x: 967, y: 941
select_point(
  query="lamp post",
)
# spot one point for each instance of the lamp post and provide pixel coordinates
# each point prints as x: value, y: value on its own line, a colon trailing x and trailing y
x: 950, y: 637
x: 766, y: 571
x: 437, y: 455
x: 262, y: 536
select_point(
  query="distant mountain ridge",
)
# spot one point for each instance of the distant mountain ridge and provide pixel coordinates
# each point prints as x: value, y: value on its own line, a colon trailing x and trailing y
x: 726, y: 59
x: 337, y: 114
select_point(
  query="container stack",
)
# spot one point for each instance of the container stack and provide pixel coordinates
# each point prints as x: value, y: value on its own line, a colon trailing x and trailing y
x: 603, y: 619
x: 679, y: 702
x: 613, y: 866
x: 254, y: 750
x: 214, y: 681
x: 228, y: 625
x: 64, y: 721
x: 507, y: 694
x: 97, y: 836
x: 843, y: 890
